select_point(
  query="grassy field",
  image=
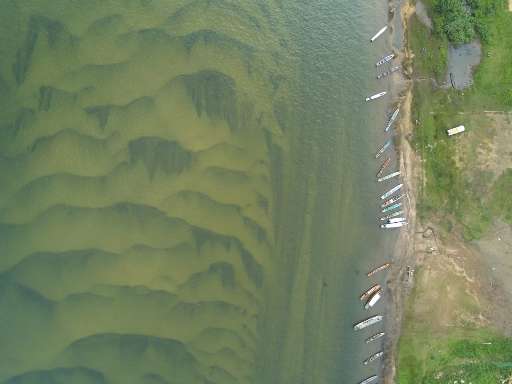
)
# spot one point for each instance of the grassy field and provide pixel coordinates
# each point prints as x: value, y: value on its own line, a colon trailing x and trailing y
x: 442, y: 339
x: 472, y: 356
x: 437, y: 346
x: 453, y: 193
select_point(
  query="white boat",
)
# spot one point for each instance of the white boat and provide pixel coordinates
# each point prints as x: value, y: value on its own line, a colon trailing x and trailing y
x: 385, y: 59
x: 381, y: 31
x: 391, y: 191
x: 369, y: 379
x: 374, y: 337
x: 376, y: 96
x: 394, y: 225
x: 396, y: 220
x: 387, y: 177
x: 388, y: 72
x: 373, y: 300
x: 373, y: 357
x: 382, y: 149
x: 392, y: 119
x: 366, y: 323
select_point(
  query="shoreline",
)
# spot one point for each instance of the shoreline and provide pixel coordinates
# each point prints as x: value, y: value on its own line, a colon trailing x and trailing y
x: 403, y: 254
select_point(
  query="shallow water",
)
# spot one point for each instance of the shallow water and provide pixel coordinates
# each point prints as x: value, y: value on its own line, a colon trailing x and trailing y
x: 461, y: 61
x: 187, y: 190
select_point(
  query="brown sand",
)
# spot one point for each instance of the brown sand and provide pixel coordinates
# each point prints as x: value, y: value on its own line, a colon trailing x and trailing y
x: 404, y: 249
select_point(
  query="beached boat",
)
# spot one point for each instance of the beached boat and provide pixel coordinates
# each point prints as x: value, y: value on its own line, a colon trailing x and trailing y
x: 392, y: 200
x: 392, y: 207
x: 392, y: 119
x: 382, y: 149
x: 387, y: 73
x: 383, y: 166
x: 369, y: 380
x: 369, y: 292
x: 373, y: 357
x: 387, y: 177
x: 375, y: 337
x: 394, y: 214
x: 380, y: 32
x: 373, y: 300
x: 394, y: 225
x: 378, y: 269
x: 385, y: 59
x: 376, y: 96
x: 391, y: 191
x: 396, y: 220
x: 368, y: 322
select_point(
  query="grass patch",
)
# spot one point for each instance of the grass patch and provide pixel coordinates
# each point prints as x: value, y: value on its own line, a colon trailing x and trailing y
x: 430, y: 352
x: 431, y: 58
x: 493, y: 78
x: 501, y: 201
x: 473, y: 355
x: 448, y: 194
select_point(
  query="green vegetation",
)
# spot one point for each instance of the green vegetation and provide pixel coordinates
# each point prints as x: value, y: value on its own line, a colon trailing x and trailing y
x: 474, y: 356
x: 459, y: 20
x: 450, y: 192
x: 431, y: 58
x: 454, y: 20
x: 501, y: 196
x: 435, y: 347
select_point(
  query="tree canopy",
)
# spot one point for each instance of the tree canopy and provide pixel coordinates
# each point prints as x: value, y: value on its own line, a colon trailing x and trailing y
x: 460, y: 20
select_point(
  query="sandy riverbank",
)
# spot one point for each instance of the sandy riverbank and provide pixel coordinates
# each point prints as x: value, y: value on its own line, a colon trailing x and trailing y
x: 409, y: 167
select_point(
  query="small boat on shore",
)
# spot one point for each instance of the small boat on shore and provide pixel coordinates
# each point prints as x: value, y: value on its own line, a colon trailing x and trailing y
x: 396, y: 220
x: 387, y: 73
x: 368, y: 322
x: 385, y: 59
x: 380, y: 32
x: 373, y: 357
x: 392, y: 200
x: 373, y: 300
x: 376, y: 96
x: 391, y: 191
x: 378, y: 269
x: 394, y: 214
x: 382, y: 149
x: 392, y: 207
x: 394, y: 225
x: 369, y: 292
x: 374, y: 337
x: 383, y: 166
x: 387, y: 177
x: 392, y: 119
x: 369, y: 380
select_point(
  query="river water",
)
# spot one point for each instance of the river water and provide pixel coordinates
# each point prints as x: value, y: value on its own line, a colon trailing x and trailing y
x: 187, y: 190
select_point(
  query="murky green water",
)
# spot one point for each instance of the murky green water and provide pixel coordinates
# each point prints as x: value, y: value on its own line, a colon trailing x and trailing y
x: 186, y: 190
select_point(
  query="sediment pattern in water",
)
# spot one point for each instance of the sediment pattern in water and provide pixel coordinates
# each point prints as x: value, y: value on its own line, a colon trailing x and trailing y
x: 141, y: 144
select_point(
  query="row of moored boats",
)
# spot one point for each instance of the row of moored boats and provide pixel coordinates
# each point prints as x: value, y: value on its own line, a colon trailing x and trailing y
x: 371, y: 297
x: 391, y: 209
